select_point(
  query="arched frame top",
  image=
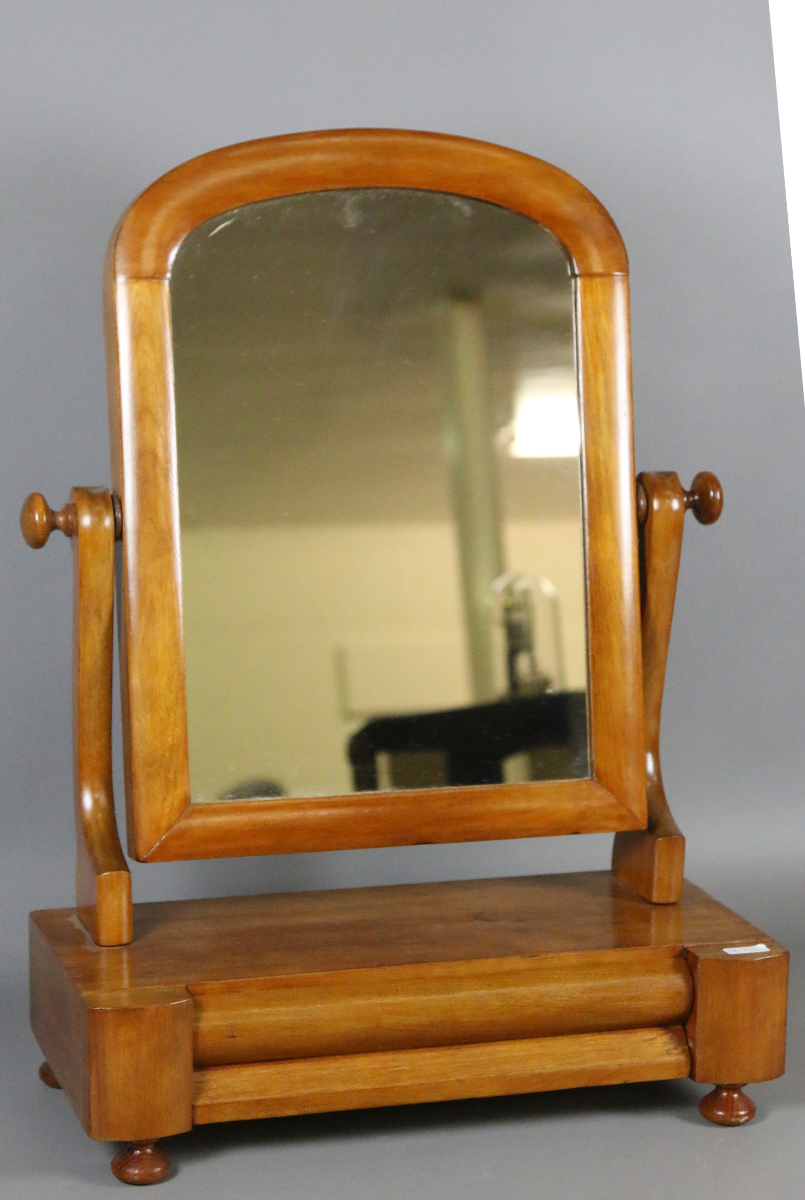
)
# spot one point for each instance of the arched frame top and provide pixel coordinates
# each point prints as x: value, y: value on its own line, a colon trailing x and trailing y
x: 152, y: 230
x: 162, y: 822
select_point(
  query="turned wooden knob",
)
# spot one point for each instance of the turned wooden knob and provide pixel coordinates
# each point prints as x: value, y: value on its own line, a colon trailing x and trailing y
x: 38, y: 520
x: 705, y: 498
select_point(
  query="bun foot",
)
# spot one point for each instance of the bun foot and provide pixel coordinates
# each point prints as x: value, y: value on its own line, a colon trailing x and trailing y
x: 47, y: 1076
x: 727, y: 1105
x: 140, y: 1162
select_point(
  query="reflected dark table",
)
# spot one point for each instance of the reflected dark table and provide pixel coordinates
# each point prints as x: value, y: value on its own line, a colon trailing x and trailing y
x: 475, y: 740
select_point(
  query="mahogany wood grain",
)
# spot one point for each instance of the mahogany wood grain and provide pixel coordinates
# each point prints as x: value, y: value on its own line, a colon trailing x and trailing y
x: 152, y: 230
x: 139, y: 1064
x: 154, y: 705
x: 103, y: 881
x: 613, y: 590
x: 272, y: 1005
x: 653, y: 861
x: 295, y: 824
x: 438, y: 1004
x: 443, y: 1073
x: 162, y: 823
x: 380, y: 972
x: 737, y: 1027
x: 122, y: 1055
x: 185, y: 942
x: 58, y: 1013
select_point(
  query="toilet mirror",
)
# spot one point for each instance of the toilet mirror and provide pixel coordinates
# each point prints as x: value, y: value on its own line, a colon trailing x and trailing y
x: 371, y: 427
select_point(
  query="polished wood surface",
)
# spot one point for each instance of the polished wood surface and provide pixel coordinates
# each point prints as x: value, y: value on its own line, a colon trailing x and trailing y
x: 103, y: 881
x: 705, y: 498
x: 436, y: 1004
x: 653, y: 861
x: 58, y: 1016
x: 154, y: 708
x: 443, y: 1073
x: 301, y: 1002
x: 737, y: 1027
x: 124, y: 1056
x: 162, y: 824
x: 141, y: 1163
x: 727, y: 1106
x: 140, y: 1050
x: 182, y: 942
x: 38, y: 520
x: 613, y: 590
x: 152, y: 230
x: 165, y: 1015
x: 293, y: 824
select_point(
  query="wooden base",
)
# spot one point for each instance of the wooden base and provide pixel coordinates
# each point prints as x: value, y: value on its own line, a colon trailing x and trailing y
x: 274, y: 1005
x: 727, y: 1105
x: 47, y: 1076
x: 140, y: 1162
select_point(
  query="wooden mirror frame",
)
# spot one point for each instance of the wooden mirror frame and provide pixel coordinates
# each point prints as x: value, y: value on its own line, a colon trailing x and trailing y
x: 162, y: 822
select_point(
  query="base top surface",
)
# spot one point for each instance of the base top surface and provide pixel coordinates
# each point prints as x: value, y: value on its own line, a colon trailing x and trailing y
x: 285, y: 934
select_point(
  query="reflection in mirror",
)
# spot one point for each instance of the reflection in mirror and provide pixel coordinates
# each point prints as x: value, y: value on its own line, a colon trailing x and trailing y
x: 378, y: 449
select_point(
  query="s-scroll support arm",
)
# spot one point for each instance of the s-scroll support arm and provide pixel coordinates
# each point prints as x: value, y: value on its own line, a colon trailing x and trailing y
x: 652, y: 861
x: 92, y: 519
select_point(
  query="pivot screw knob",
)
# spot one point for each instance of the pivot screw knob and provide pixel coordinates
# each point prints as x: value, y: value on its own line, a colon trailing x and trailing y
x: 38, y: 520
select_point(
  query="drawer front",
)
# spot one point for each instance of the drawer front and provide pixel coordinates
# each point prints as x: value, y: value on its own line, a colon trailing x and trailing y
x: 396, y: 1008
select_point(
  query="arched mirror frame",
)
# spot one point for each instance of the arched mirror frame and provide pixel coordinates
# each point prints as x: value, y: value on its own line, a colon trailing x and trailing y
x: 162, y: 823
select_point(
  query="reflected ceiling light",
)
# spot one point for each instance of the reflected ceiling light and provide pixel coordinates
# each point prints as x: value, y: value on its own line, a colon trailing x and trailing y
x: 546, y: 416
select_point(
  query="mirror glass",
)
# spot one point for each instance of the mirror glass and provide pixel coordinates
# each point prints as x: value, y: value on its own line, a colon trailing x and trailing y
x: 382, y: 552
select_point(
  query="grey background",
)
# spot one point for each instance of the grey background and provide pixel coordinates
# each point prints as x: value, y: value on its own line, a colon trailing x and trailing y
x: 668, y: 113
